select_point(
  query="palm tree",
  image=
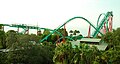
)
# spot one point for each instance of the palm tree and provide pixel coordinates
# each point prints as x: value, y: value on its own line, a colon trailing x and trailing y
x: 71, y: 33
x: 75, y: 32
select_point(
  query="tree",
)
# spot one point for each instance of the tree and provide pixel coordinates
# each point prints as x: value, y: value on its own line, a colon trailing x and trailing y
x: 11, y: 38
x: 81, y: 54
x: 46, y: 32
x: 54, y: 38
x: 39, y: 33
x: 63, y: 31
x: 2, y: 39
x: 1, y: 26
x: 71, y: 33
x: 116, y: 37
x: 30, y: 54
x: 34, y: 37
x: 24, y: 38
x: 112, y: 55
x: 76, y: 31
x: 3, y: 58
x: 109, y: 38
x: 112, y: 38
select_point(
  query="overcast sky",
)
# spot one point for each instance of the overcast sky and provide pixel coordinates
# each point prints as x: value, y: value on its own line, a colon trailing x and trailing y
x: 52, y: 13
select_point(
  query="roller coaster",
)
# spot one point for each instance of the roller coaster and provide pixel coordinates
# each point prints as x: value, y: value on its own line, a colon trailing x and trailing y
x: 105, y: 24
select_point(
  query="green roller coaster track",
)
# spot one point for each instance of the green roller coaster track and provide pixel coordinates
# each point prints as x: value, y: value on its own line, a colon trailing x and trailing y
x: 105, y: 19
x: 25, y: 27
x: 66, y: 23
x: 99, y: 18
x: 97, y: 29
x: 30, y: 27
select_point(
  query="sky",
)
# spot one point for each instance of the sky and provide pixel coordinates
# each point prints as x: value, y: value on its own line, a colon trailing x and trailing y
x: 52, y: 13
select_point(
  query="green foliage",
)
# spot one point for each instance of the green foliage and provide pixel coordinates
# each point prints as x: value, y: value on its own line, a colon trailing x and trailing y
x: 34, y: 37
x: 70, y: 31
x: 54, y: 37
x: 24, y: 50
x: 3, y: 58
x: 75, y: 37
x: 11, y: 37
x: 46, y: 32
x: 62, y: 52
x: 63, y: 31
x: 1, y: 26
x: 39, y: 33
x: 110, y: 56
x: 2, y: 39
x: 24, y: 38
x: 109, y: 38
x: 82, y: 54
x: 117, y: 35
x: 74, y: 32
x: 112, y: 38
x: 28, y: 53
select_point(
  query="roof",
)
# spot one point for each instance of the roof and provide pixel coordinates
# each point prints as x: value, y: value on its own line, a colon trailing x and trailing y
x: 101, y: 46
x: 90, y: 40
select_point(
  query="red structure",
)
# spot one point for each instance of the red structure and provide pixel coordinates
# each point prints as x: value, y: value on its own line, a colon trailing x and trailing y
x: 110, y: 23
x: 89, y: 31
x: 104, y: 28
x: 64, y: 33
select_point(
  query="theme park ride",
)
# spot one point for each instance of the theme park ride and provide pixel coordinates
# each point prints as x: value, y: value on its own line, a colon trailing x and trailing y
x: 103, y: 26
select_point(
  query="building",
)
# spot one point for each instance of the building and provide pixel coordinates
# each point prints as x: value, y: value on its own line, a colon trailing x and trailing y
x: 91, y: 42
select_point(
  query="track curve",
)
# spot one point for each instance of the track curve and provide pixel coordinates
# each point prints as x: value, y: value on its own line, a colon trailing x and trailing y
x: 68, y: 22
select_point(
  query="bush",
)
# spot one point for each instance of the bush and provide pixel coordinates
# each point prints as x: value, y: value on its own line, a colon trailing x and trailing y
x: 3, y: 58
x: 82, y: 54
x: 30, y: 54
